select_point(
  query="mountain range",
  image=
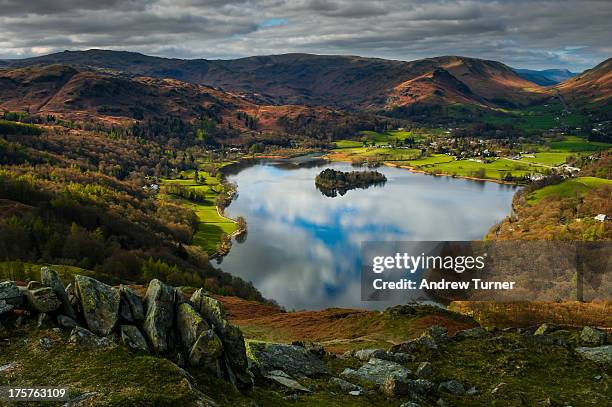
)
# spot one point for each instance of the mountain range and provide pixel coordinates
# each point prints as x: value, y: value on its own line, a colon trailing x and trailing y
x: 132, y: 85
x: 545, y: 77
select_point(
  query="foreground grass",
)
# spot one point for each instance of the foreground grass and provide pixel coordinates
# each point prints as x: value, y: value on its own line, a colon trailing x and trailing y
x: 568, y: 188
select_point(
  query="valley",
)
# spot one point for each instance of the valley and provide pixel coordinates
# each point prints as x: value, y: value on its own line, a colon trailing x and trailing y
x: 194, y: 182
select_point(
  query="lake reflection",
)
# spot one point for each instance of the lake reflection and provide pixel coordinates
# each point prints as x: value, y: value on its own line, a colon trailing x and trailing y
x: 303, y: 248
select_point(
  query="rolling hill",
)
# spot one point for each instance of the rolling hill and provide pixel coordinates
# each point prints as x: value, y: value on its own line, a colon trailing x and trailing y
x: 320, y: 80
x: 591, y: 86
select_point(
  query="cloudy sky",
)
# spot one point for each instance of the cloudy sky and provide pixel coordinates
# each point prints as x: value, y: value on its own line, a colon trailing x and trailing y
x: 572, y: 34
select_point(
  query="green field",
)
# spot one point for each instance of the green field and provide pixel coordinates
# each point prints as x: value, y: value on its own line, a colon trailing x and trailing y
x: 568, y: 188
x: 574, y: 144
x: 376, y: 153
x: 549, y: 159
x: 497, y: 169
x: 212, y: 226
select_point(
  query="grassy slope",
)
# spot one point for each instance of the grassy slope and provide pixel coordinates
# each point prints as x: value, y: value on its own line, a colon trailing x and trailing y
x: 567, y: 188
x: 212, y: 226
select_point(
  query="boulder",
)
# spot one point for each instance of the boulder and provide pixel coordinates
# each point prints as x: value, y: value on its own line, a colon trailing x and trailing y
x: 189, y: 324
x: 295, y: 360
x: 133, y: 338
x: 10, y: 295
x: 159, y: 305
x: 425, y: 369
x: 209, y: 308
x: 436, y: 332
x: 66, y: 322
x: 377, y: 371
x: 4, y: 307
x: 474, y: 333
x: 99, y: 304
x: 282, y: 378
x: 86, y: 339
x: 593, y: 336
x: 50, y: 278
x: 546, y: 328
x: 132, y: 308
x: 43, y: 300
x: 367, y: 354
x: 453, y: 387
x: 206, y: 352
x: 599, y: 354
x: 343, y: 384
x: 33, y: 285
x: 397, y: 387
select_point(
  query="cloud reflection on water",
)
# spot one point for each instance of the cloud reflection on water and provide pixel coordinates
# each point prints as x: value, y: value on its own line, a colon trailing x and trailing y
x: 303, y: 248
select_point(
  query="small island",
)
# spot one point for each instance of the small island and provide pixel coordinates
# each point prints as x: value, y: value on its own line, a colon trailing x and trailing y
x: 332, y: 182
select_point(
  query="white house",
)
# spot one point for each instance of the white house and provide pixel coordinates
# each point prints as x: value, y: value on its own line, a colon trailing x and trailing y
x: 602, y: 217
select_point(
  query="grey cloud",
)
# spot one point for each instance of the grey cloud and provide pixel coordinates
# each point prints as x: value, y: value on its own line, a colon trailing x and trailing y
x: 532, y: 34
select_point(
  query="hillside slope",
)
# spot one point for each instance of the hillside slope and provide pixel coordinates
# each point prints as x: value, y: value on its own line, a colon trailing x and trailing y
x: 591, y: 86
x: 339, y: 81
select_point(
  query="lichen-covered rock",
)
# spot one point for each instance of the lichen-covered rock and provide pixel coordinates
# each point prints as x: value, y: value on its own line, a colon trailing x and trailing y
x: 133, y: 338
x: 546, y: 328
x: 237, y: 362
x: 99, y: 304
x: 425, y: 369
x: 474, y: 333
x: 4, y: 307
x: 43, y: 300
x: 132, y: 308
x: 377, y: 371
x: 292, y: 359
x: 66, y: 322
x: 452, y: 386
x: 282, y: 378
x: 159, y: 306
x: 10, y: 294
x: 593, y: 336
x: 396, y: 387
x: 209, y: 308
x: 206, y: 352
x: 367, y: 354
x: 33, y: 285
x: 86, y: 339
x: 599, y: 354
x: 50, y: 278
x: 189, y: 324
x: 237, y: 365
x: 343, y: 384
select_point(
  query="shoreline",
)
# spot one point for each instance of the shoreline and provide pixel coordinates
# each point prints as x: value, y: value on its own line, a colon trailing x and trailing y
x: 441, y: 174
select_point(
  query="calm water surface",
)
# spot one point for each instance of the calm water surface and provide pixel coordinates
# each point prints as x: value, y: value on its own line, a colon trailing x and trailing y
x: 303, y: 248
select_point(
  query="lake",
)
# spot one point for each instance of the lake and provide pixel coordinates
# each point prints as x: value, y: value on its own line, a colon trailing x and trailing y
x: 303, y: 248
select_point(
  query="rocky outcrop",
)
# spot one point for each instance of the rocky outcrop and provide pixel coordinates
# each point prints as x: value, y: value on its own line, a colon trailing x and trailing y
x: 207, y: 351
x: 10, y: 296
x: 99, y: 304
x: 133, y: 338
x: 236, y: 361
x: 131, y: 308
x: 166, y: 321
x: 377, y: 371
x: 593, y: 336
x: 599, y: 354
x: 50, y: 278
x: 159, y: 304
x: 295, y: 360
x: 189, y: 324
